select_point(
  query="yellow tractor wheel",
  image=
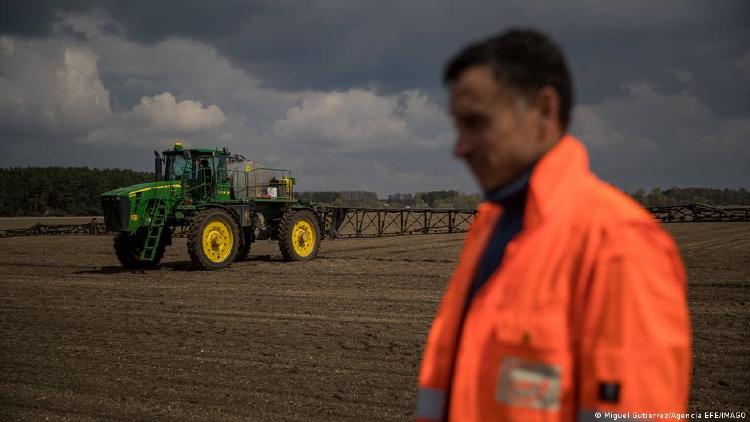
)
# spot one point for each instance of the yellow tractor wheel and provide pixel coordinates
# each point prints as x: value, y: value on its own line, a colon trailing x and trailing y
x: 299, y: 235
x: 213, y: 239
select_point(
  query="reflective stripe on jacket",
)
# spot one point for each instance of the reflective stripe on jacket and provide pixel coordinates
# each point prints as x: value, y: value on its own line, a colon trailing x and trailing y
x: 587, y: 311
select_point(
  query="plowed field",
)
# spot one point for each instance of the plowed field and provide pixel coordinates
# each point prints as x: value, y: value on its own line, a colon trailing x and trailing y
x: 336, y: 338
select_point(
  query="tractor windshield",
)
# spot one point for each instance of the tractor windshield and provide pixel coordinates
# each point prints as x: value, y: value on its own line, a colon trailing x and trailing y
x: 177, y: 166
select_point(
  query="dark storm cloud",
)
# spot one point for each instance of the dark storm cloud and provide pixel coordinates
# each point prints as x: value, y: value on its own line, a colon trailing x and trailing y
x: 36, y: 18
x: 395, y: 45
x: 661, y: 85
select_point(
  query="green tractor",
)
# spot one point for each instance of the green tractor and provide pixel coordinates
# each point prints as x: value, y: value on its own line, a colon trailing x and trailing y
x: 224, y: 201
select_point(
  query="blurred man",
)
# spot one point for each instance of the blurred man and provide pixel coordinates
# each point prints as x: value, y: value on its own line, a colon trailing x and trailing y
x: 568, y: 301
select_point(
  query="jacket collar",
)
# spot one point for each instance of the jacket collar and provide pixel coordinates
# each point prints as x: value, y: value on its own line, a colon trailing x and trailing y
x: 556, y: 180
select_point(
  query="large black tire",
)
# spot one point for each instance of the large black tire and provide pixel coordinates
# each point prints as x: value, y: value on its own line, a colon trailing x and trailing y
x: 213, y: 239
x: 299, y: 235
x: 242, y: 252
x: 244, y: 249
x: 128, y: 249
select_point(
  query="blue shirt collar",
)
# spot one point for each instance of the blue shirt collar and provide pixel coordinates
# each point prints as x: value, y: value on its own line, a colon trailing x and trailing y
x: 510, y: 189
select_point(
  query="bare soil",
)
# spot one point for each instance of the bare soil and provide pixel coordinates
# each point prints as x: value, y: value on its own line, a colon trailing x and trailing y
x: 336, y: 338
x: 717, y: 259
x: 9, y: 223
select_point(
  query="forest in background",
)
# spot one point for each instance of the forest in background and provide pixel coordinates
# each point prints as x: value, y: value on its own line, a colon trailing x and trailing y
x: 60, y: 191
x: 63, y: 191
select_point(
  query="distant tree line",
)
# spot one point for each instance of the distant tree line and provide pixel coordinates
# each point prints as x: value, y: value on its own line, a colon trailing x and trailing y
x: 432, y: 199
x: 437, y: 199
x: 358, y: 198
x: 59, y: 191
x: 458, y: 200
x: 326, y: 197
x: 683, y: 196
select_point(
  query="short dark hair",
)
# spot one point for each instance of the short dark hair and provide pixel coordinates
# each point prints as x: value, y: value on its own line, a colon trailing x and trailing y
x: 524, y: 59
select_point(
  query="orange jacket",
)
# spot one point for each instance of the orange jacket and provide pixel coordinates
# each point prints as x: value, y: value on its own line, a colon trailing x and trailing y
x: 586, y: 313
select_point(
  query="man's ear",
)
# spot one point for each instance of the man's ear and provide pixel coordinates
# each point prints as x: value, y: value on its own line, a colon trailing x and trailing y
x: 547, y: 101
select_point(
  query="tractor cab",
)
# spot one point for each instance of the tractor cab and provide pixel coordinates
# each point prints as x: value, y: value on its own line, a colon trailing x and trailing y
x: 202, y: 171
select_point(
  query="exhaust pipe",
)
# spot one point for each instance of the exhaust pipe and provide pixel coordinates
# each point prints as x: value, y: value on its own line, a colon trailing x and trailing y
x: 157, y: 167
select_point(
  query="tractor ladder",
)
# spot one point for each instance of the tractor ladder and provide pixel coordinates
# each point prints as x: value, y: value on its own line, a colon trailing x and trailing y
x: 155, y: 227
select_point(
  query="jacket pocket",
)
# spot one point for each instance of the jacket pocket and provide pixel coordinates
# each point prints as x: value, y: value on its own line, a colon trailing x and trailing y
x: 525, y: 367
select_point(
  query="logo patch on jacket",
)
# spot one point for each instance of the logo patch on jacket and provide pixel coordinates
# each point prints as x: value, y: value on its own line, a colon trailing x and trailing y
x: 529, y: 384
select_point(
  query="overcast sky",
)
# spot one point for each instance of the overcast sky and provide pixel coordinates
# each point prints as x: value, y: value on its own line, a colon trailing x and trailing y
x: 347, y: 94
